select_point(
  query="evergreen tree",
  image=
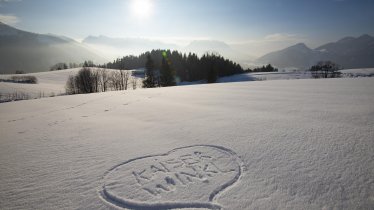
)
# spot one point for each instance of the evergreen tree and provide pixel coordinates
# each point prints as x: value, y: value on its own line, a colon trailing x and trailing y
x: 150, y: 76
x: 212, y: 73
x: 184, y: 67
x: 167, y: 73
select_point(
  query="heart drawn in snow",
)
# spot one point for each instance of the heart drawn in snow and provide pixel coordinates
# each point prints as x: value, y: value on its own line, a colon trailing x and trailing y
x: 186, y: 177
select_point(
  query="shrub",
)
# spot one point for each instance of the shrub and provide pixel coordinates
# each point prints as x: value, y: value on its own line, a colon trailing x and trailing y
x: 24, y: 79
x: 325, y: 69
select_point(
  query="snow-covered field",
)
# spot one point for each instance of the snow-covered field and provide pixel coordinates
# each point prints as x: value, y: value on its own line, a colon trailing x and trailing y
x: 369, y: 72
x: 261, y: 76
x: 281, y: 75
x: 53, y: 83
x: 282, y: 144
x: 49, y: 83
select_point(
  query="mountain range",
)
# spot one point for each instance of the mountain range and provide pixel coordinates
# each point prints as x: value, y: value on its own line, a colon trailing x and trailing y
x: 32, y: 52
x: 349, y: 52
x: 117, y: 47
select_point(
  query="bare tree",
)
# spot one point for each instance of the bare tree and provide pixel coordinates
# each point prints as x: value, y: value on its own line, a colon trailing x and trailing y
x: 104, y: 80
x: 99, y: 80
x: 115, y: 80
x: 95, y: 80
x: 134, y: 81
x: 84, y: 82
x: 120, y: 79
x: 125, y: 76
x: 70, y: 86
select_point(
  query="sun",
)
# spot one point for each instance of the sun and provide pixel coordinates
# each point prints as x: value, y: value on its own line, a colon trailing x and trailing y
x: 142, y: 8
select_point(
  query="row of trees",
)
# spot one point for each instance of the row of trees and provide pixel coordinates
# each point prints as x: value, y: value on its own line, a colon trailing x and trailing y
x: 325, y: 69
x: 99, y: 80
x: 28, y: 79
x: 186, y: 67
x: 267, y: 68
x: 62, y: 65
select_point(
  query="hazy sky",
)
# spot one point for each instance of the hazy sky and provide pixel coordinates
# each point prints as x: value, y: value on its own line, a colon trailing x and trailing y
x: 233, y: 21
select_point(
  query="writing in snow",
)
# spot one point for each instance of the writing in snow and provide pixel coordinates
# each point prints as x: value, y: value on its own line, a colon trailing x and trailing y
x: 165, y: 175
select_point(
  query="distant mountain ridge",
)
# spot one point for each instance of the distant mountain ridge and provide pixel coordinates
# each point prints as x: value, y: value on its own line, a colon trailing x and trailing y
x: 118, y: 47
x: 213, y: 46
x: 32, y: 52
x: 348, y: 52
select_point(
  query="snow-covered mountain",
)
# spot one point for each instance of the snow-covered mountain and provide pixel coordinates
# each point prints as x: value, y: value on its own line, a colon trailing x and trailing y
x: 112, y: 48
x: 297, y: 56
x: 203, y: 46
x: 351, y: 52
x: 348, y: 52
x: 213, y: 46
x: 31, y: 52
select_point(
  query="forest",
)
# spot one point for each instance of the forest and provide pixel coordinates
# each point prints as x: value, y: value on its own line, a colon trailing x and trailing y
x: 188, y: 67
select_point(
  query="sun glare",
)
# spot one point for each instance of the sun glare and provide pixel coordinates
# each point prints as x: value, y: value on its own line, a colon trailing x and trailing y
x: 142, y: 8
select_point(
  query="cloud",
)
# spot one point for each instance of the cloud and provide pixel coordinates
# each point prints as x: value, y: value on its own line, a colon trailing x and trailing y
x: 7, y: 1
x: 9, y: 19
x: 2, y: 2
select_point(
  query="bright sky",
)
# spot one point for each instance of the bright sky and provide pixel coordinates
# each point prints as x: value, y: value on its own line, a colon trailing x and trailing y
x: 233, y: 21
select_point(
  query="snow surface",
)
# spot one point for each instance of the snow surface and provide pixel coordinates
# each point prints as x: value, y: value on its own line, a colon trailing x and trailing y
x: 53, y: 82
x: 369, y: 72
x: 261, y: 76
x: 49, y: 83
x: 295, y: 144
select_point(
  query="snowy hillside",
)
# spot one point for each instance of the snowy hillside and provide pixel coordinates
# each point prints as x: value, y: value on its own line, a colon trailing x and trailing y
x: 296, y: 144
x: 369, y: 72
x: 49, y: 83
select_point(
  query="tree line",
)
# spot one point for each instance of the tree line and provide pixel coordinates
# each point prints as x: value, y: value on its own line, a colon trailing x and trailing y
x: 186, y: 67
x: 325, y: 69
x: 267, y: 68
x: 62, y: 65
x: 27, y: 79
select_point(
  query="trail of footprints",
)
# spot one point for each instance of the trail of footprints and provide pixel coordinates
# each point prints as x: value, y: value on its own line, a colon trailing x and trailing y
x: 188, y: 177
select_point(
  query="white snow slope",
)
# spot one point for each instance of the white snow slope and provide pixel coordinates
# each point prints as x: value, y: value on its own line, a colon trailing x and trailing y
x: 295, y: 144
x: 49, y: 83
